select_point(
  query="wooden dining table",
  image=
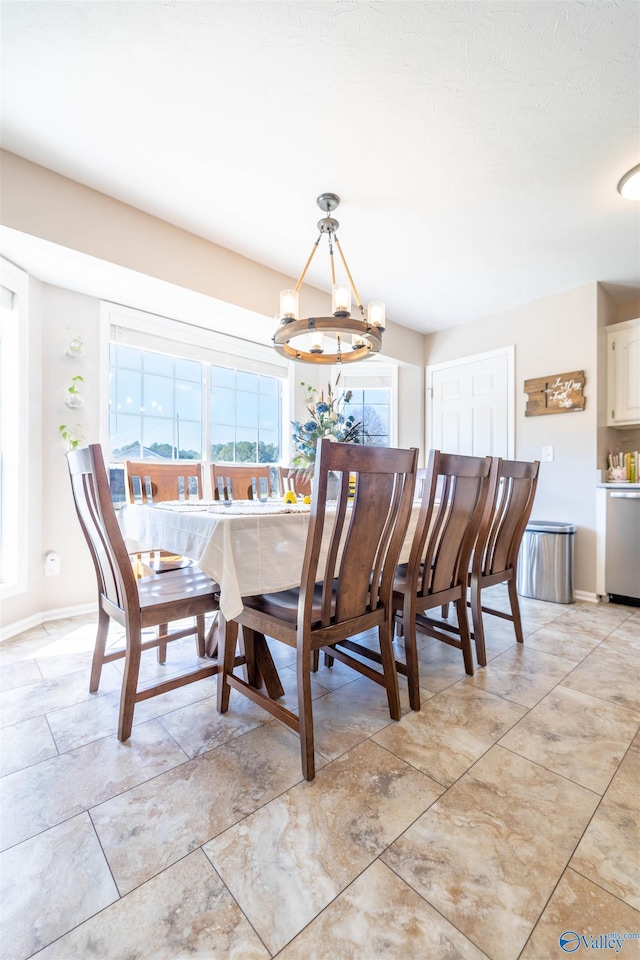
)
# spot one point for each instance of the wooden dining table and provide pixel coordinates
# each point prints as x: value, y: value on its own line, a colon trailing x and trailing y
x: 248, y: 547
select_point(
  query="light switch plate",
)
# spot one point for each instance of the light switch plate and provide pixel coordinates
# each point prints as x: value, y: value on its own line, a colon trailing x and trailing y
x: 547, y: 454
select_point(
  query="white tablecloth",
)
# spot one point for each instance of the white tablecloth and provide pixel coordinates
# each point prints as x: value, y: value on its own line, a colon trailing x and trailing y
x: 248, y: 547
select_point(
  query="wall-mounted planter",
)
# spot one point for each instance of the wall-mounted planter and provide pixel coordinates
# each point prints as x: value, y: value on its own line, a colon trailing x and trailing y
x: 73, y: 399
x: 72, y: 436
x: 75, y: 346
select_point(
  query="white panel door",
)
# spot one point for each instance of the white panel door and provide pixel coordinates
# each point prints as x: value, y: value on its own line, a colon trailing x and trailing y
x: 470, y: 405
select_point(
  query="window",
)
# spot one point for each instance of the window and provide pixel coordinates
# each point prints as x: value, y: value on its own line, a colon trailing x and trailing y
x: 155, y: 405
x: 372, y: 393
x: 13, y: 430
x: 178, y: 392
x: 246, y: 417
x: 371, y: 408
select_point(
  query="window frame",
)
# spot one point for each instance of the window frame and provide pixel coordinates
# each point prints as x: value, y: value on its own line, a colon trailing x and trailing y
x: 149, y: 331
x: 14, y: 377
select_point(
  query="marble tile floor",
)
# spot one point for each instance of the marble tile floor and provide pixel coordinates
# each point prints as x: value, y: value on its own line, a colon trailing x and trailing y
x: 501, y: 816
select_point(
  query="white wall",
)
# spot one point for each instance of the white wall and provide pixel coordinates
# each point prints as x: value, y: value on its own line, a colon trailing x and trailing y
x: 52, y: 521
x: 60, y: 528
x: 554, y: 335
x: 40, y: 203
x: 53, y: 525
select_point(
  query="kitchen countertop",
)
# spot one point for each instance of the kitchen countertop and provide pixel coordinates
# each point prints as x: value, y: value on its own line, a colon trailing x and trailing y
x: 620, y: 485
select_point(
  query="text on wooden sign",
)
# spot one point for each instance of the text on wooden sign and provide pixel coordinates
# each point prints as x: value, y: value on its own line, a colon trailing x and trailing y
x: 560, y: 393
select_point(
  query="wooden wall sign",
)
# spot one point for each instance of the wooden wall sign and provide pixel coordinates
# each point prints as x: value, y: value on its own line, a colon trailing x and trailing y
x: 561, y: 393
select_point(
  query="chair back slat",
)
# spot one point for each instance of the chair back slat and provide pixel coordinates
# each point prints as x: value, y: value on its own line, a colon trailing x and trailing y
x: 454, y: 495
x: 147, y: 481
x: 366, y: 532
x: 295, y: 481
x: 92, y: 498
x: 232, y: 481
x: 506, y: 515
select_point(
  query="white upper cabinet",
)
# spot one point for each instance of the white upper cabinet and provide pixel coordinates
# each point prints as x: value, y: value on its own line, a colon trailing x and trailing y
x: 623, y: 374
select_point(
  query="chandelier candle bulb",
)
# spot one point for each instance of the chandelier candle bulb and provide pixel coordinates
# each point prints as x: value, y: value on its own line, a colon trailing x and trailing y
x: 317, y: 342
x: 375, y: 314
x: 341, y: 305
x: 289, y: 304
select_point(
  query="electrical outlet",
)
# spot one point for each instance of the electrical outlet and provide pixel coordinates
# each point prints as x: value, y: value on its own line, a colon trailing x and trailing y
x: 51, y: 564
x: 547, y: 454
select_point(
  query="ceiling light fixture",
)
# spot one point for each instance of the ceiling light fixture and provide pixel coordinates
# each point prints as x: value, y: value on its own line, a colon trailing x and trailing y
x: 348, y: 338
x: 629, y: 186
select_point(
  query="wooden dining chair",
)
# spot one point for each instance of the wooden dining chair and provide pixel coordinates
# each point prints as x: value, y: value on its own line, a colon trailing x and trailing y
x: 134, y: 604
x: 495, y: 555
x: 233, y: 481
x: 290, y: 479
x: 454, y: 494
x: 345, y: 584
x: 149, y: 481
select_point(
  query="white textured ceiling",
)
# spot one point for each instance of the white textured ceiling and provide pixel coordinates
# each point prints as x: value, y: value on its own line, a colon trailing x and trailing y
x: 476, y: 145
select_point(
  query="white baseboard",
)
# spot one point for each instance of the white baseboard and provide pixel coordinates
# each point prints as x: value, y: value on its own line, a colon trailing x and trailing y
x: 584, y: 595
x: 62, y: 613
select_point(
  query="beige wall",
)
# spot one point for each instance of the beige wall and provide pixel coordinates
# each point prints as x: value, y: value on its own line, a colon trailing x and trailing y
x: 627, y: 311
x: 43, y: 204
x: 552, y: 335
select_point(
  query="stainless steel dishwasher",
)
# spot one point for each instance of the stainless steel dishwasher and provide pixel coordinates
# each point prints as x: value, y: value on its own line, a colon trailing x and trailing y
x: 622, y: 556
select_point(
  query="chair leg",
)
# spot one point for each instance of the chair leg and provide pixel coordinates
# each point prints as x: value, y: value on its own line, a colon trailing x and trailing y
x: 200, y: 635
x: 389, y: 669
x: 305, y: 712
x: 444, y: 610
x: 315, y: 661
x: 478, y: 623
x: 515, y: 608
x: 98, y: 651
x: 465, y: 637
x: 411, y: 651
x: 328, y: 659
x: 227, y: 639
x: 248, y: 648
x: 163, y: 630
x: 211, y: 642
x: 129, y: 683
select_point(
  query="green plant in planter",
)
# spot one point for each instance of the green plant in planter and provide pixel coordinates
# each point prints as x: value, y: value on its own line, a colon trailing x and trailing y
x: 71, y: 435
x: 74, y: 398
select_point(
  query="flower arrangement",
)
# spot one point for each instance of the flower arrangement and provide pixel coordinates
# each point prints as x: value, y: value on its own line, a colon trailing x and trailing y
x: 328, y: 417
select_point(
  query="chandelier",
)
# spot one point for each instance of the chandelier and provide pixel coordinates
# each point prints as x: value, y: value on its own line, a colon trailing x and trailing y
x: 340, y: 338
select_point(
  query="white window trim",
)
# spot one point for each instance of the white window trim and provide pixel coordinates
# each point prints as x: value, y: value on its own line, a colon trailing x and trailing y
x: 210, y: 346
x: 15, y: 431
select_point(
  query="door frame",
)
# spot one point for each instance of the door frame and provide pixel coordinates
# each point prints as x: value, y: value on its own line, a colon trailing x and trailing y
x: 508, y: 352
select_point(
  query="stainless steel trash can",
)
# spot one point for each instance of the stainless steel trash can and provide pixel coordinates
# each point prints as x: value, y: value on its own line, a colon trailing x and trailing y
x: 545, y: 563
